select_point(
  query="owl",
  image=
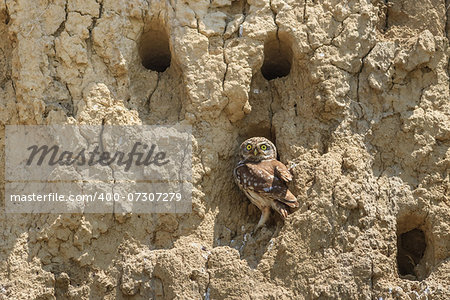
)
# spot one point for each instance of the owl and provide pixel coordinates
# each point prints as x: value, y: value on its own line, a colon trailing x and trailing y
x: 263, y: 178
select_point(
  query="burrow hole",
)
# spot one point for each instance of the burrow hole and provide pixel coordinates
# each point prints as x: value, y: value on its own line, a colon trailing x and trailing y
x: 412, y: 244
x: 261, y: 129
x: 154, y: 50
x: 277, y: 58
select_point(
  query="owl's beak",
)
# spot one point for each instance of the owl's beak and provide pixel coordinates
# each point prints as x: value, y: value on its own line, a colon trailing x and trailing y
x: 255, y: 152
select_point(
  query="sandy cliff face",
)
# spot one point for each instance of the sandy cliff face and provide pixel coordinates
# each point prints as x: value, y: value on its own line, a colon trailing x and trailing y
x: 363, y: 111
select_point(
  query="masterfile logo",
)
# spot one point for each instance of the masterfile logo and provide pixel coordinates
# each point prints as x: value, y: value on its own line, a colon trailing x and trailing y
x: 54, y: 155
x: 98, y: 169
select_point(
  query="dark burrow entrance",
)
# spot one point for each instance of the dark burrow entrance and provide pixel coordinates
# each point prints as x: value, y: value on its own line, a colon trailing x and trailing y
x: 277, y: 59
x: 411, y: 247
x: 154, y: 50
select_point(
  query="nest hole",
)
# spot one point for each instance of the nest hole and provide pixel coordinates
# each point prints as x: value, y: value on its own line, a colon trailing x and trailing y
x: 411, y: 246
x: 277, y: 59
x: 154, y: 50
x: 260, y: 129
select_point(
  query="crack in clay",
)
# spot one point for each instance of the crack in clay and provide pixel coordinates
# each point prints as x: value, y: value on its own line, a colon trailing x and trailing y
x: 341, y: 23
x: 223, y: 47
x: 274, y: 13
x: 72, y: 111
x: 386, y: 17
x: 62, y: 26
x: 56, y: 34
x: 244, y: 13
x: 224, y: 56
x: 100, y: 13
x: 8, y: 18
x: 100, y: 10
x: 304, y: 12
x: 226, y: 69
x: 224, y: 59
x: 89, y: 43
x: 198, y: 24
x: 330, y: 43
x: 151, y: 94
x: 360, y: 71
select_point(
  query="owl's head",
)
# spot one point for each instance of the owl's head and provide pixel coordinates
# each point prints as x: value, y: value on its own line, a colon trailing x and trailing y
x: 256, y: 149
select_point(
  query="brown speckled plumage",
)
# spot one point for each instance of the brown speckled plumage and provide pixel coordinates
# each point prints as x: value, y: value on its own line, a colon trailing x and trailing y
x: 263, y: 178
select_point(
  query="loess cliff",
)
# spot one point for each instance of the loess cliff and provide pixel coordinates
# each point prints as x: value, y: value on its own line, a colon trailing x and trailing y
x: 355, y: 93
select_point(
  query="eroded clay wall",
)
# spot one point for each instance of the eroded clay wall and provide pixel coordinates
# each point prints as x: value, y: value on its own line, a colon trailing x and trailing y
x: 362, y: 109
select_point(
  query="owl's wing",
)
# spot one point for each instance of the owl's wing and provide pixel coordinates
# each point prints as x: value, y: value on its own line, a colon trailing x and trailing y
x: 282, y: 171
x: 265, y: 182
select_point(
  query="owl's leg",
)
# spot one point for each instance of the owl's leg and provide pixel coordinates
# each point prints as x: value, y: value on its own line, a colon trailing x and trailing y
x: 265, y: 214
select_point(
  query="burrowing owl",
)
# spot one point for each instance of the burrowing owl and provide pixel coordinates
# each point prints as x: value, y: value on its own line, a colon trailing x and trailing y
x: 263, y: 178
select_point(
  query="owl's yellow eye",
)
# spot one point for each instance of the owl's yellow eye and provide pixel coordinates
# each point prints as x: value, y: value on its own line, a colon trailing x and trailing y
x: 263, y: 147
x: 249, y: 147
